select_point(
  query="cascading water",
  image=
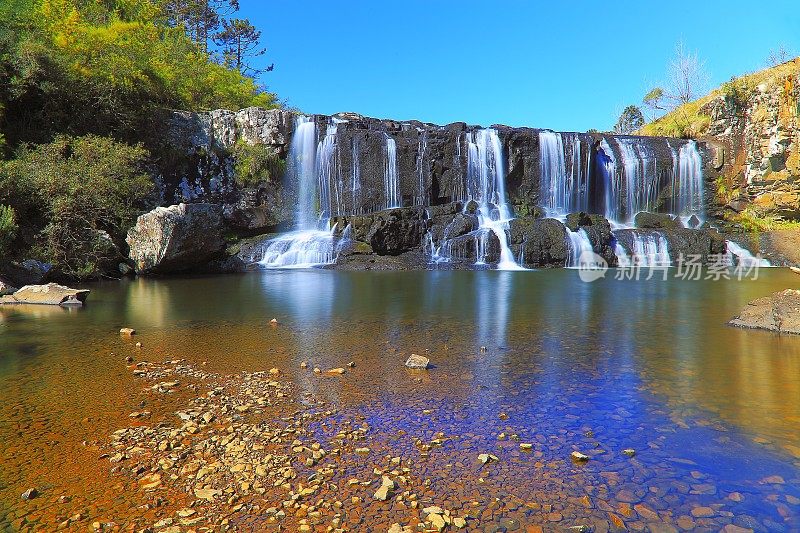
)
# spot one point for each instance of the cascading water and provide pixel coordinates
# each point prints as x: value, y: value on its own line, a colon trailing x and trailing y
x: 650, y: 250
x: 689, y: 199
x: 563, y: 188
x: 421, y: 197
x: 311, y: 243
x: 390, y: 177
x: 743, y: 257
x: 356, y: 177
x: 580, y: 249
x: 486, y: 186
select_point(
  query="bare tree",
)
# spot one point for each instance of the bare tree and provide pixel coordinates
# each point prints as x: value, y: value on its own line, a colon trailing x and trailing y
x: 687, y: 80
x: 779, y: 56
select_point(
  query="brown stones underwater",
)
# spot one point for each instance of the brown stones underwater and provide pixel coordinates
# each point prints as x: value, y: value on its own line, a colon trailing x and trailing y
x: 215, y: 426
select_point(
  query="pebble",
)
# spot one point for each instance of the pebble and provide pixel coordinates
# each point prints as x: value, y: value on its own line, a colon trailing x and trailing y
x: 417, y: 362
x: 630, y: 452
x: 386, y: 489
x: 30, y: 494
x: 127, y: 331
x: 487, y: 458
x: 579, y: 457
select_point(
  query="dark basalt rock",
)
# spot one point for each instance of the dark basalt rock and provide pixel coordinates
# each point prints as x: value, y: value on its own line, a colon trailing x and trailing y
x: 645, y: 219
x: 684, y: 243
x: 539, y: 242
x: 389, y: 232
x: 777, y: 312
x: 598, y: 229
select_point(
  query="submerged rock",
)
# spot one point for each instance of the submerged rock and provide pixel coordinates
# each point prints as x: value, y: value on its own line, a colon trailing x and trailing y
x: 50, y: 294
x: 778, y: 312
x: 175, y: 238
x: 418, y: 361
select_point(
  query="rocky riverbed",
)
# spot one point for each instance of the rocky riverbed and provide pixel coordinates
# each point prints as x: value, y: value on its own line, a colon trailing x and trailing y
x: 207, y: 418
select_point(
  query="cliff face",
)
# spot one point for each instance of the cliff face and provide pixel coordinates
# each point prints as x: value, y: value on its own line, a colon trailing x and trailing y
x: 751, y: 124
x: 606, y: 174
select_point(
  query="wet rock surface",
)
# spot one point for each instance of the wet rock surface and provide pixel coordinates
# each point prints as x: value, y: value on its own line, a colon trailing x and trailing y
x: 779, y: 312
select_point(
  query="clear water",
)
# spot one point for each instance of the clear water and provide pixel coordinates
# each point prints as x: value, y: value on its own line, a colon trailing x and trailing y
x: 648, y: 365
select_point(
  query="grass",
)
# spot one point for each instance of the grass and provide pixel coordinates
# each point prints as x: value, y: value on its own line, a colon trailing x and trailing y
x: 689, y: 120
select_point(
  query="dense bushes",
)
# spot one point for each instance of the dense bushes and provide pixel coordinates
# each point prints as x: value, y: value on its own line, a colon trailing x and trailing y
x: 8, y: 229
x: 77, y: 67
x: 83, y: 86
x: 75, y: 194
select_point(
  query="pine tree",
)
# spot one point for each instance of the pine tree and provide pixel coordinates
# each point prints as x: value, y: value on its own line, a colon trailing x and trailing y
x: 241, y: 41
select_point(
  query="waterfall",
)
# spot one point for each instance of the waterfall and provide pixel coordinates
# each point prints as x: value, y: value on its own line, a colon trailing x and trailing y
x: 623, y: 259
x: 607, y: 163
x: 420, y: 167
x: 562, y: 191
x: 650, y: 250
x: 486, y: 186
x: 743, y: 256
x: 579, y: 244
x: 356, y: 178
x: 301, y: 166
x: 311, y: 243
x: 390, y: 175
x: 690, y: 181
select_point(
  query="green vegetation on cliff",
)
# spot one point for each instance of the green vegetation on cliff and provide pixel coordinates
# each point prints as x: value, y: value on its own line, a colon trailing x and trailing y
x: 83, y: 88
x: 692, y: 119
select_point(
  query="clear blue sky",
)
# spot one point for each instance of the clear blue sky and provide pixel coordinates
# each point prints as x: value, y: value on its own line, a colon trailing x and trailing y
x: 567, y: 65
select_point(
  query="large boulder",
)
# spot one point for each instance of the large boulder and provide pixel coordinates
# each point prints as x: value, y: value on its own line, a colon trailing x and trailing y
x: 50, y: 294
x: 539, y: 241
x: 778, y: 312
x: 176, y: 238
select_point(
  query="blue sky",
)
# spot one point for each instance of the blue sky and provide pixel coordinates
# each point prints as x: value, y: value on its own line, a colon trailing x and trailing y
x: 569, y: 66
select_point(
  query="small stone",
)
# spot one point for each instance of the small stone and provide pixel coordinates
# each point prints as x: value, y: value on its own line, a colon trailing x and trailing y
x: 386, y: 489
x: 138, y: 344
x: 274, y: 371
x: 459, y: 522
x: 304, y: 364
x: 129, y: 359
x: 630, y: 452
x: 274, y: 321
x: 127, y: 331
x: 579, y: 457
x: 487, y: 458
x: 150, y: 481
x: 526, y: 446
x: 363, y: 451
x: 207, y: 494
x: 351, y: 364
x: 317, y: 370
x: 418, y: 362
x: 30, y: 494
x: 337, y: 371
x: 775, y: 480
x: 703, y: 512
x: 437, y: 521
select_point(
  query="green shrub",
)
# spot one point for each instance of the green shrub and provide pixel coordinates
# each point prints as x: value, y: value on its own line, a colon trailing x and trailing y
x: 8, y: 229
x: 75, y: 192
x: 254, y: 163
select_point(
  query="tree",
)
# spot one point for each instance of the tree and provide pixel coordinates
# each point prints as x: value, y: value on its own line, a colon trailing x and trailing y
x: 778, y: 56
x: 654, y: 100
x: 241, y: 41
x: 687, y: 77
x: 199, y: 18
x: 629, y: 121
